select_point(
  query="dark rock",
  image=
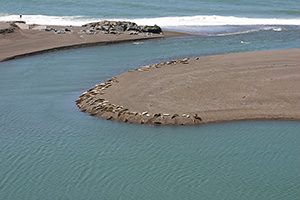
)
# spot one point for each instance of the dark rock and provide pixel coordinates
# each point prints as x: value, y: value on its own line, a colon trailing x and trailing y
x: 115, y: 27
x: 119, y: 29
x: 133, y: 32
x: 104, y: 28
x: 152, y: 29
x: 134, y: 27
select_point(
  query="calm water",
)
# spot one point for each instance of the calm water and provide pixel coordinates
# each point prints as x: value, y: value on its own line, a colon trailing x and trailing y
x: 50, y: 150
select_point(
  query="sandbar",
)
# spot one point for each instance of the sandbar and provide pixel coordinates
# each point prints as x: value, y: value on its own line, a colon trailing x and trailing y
x: 237, y: 86
x: 31, y: 39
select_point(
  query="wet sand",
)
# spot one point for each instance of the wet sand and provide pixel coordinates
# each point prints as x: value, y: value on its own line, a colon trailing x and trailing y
x: 238, y: 86
x: 23, y: 42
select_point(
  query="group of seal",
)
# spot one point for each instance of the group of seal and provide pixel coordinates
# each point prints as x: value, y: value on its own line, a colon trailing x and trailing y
x: 92, y: 102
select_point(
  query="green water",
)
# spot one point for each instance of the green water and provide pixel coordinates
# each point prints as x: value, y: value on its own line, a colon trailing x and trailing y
x: 50, y: 150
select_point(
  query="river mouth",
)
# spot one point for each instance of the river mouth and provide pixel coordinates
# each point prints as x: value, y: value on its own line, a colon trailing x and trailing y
x: 48, y: 147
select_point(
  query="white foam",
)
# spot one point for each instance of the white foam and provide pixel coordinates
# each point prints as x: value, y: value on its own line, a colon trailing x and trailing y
x: 199, y: 20
x: 276, y: 29
x: 214, y: 21
x: 50, y: 20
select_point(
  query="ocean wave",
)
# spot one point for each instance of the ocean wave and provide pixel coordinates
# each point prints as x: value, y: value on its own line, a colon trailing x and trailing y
x: 199, y: 20
x: 50, y: 20
x: 213, y: 20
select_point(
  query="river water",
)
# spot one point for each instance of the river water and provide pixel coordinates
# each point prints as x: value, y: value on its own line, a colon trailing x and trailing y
x: 50, y: 150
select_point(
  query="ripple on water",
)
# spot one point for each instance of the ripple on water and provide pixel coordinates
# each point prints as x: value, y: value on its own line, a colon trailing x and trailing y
x: 50, y: 150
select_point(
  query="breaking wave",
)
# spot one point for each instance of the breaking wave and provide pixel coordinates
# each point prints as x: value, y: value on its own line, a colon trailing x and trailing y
x: 199, y: 20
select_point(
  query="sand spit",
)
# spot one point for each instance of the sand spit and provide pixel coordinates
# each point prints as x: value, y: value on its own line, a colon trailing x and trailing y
x: 18, y: 39
x: 240, y: 86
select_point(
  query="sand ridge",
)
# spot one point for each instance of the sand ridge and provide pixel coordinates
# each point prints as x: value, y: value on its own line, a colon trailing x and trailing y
x: 238, y: 86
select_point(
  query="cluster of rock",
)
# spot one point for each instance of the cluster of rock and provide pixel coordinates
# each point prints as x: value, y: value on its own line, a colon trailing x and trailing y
x: 102, y: 27
x: 92, y: 103
x: 118, y: 27
x: 58, y: 31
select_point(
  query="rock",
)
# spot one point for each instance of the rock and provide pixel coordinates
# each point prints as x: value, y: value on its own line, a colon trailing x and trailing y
x: 113, y: 32
x: 152, y: 29
x: 68, y: 30
x: 134, y: 28
x: 115, y: 27
x: 104, y: 28
x: 133, y: 32
x: 119, y: 28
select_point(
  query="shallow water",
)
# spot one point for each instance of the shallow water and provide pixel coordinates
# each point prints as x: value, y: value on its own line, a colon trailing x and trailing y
x: 50, y: 150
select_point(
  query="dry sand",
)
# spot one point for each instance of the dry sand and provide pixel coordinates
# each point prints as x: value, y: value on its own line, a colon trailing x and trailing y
x: 240, y: 86
x: 25, y: 41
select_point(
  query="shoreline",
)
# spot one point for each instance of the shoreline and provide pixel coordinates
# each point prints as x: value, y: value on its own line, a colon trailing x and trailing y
x: 261, y: 85
x: 27, y: 39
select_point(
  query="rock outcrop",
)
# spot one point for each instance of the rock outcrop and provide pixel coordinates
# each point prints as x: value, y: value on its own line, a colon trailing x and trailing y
x: 118, y: 27
x: 102, y: 27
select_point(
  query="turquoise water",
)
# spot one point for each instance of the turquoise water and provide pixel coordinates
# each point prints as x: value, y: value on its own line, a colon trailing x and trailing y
x: 50, y: 150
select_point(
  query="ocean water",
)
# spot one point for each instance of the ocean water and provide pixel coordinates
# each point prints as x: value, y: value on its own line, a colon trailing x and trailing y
x: 154, y: 8
x: 50, y: 150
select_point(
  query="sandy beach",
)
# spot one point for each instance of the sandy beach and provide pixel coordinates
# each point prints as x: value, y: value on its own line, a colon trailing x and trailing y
x: 238, y: 86
x: 24, y: 39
